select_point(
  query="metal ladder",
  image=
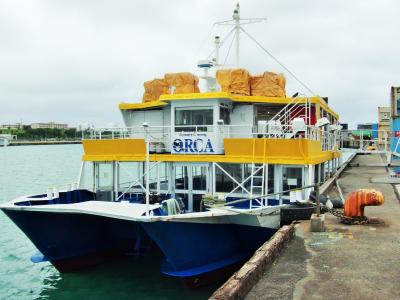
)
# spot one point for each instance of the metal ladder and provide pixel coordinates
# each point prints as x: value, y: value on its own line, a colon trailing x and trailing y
x: 255, y: 187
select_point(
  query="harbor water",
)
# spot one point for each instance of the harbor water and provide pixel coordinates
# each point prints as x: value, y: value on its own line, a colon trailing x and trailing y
x: 33, y: 169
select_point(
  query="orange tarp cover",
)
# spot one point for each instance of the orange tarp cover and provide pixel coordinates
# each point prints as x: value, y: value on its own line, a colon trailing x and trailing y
x: 153, y: 89
x: 180, y: 83
x: 234, y: 81
x: 268, y: 84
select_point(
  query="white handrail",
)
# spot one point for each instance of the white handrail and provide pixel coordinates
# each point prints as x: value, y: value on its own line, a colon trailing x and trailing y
x: 162, y: 134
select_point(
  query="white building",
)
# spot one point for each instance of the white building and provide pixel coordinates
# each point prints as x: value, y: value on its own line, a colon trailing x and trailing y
x: 49, y: 125
x: 12, y: 126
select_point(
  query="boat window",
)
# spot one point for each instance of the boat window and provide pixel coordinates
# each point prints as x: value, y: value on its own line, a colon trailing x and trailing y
x: 105, y: 176
x: 316, y: 173
x: 197, y: 116
x: 87, y: 179
x: 322, y: 172
x: 181, y: 178
x: 224, y: 115
x: 184, y: 198
x: 128, y: 174
x: 199, y: 174
x: 224, y: 184
x: 292, y: 177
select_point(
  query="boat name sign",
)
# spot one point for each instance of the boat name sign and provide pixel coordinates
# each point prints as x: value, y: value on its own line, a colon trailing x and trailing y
x: 199, y: 143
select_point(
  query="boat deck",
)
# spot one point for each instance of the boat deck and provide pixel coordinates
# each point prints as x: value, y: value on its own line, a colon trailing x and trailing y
x: 120, y: 210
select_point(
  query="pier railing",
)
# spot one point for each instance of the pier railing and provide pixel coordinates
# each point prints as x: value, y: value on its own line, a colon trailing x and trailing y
x: 369, y: 141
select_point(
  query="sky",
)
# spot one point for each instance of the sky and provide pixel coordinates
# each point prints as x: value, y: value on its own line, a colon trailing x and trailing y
x: 73, y: 61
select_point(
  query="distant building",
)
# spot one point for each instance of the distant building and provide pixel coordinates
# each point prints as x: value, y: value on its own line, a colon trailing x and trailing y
x: 367, y: 130
x: 12, y: 126
x: 383, y: 123
x: 49, y: 125
x: 364, y: 126
x: 395, y: 119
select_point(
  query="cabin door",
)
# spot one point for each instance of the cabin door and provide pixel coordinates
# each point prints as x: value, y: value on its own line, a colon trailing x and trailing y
x: 191, y: 183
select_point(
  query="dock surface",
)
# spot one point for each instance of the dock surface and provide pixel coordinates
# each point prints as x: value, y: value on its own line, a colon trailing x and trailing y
x: 345, y: 262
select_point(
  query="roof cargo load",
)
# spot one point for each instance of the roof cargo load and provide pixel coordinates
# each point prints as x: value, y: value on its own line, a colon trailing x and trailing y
x: 268, y: 84
x: 180, y: 83
x: 153, y: 89
x: 235, y: 81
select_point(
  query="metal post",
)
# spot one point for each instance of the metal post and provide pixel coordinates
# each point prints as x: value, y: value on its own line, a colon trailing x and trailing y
x: 147, y: 176
x: 385, y: 137
x: 158, y: 177
x: 317, y: 199
x: 116, y: 182
x: 214, y: 183
x: 95, y: 176
x: 113, y: 198
x: 81, y: 173
x: 310, y: 180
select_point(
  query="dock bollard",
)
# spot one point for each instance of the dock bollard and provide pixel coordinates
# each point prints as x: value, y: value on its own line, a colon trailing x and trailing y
x: 317, y: 221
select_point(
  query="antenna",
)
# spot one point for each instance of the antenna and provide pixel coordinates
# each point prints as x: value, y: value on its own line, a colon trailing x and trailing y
x: 237, y: 23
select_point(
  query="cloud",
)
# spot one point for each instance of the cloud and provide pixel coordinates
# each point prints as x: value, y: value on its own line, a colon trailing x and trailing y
x: 74, y: 61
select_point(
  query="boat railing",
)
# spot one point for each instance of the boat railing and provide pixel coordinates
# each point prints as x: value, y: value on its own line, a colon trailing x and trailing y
x: 298, y: 107
x: 165, y: 135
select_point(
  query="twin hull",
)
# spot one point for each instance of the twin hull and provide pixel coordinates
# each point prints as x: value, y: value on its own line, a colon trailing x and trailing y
x: 192, y: 247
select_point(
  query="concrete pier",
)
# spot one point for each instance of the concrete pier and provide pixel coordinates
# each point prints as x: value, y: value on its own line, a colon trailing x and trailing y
x: 345, y: 261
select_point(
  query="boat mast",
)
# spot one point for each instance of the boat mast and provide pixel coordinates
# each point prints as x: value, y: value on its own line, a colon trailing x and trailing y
x: 236, y: 17
x: 237, y: 22
x: 217, y: 43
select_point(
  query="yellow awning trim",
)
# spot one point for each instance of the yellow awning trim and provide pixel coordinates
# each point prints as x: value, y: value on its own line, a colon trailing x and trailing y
x: 138, y: 106
x: 227, y: 96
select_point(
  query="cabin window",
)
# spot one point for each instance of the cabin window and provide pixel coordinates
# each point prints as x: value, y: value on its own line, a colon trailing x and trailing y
x: 224, y: 115
x: 198, y: 116
x: 292, y: 177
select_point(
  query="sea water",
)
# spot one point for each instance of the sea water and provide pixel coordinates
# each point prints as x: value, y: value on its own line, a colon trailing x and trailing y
x: 32, y: 169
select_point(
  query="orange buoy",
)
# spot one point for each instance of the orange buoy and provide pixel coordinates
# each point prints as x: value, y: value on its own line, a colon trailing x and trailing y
x: 357, y: 200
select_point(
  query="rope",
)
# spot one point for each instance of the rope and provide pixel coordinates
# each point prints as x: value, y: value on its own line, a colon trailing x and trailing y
x: 222, y: 42
x: 263, y: 196
x: 229, y: 50
x: 277, y: 61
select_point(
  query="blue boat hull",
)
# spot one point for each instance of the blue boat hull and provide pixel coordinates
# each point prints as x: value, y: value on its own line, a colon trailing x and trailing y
x: 195, y: 251
x: 72, y: 241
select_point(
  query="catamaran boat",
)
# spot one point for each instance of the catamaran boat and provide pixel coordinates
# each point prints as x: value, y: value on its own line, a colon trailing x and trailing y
x: 5, y: 139
x: 202, y: 176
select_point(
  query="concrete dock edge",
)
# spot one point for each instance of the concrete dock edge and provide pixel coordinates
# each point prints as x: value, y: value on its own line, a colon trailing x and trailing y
x: 240, y: 283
